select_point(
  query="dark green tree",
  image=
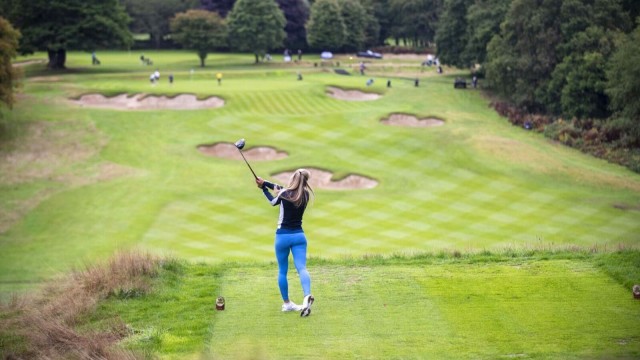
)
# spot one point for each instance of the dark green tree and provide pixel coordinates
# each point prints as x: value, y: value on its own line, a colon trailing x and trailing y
x: 452, y: 37
x: 325, y: 29
x: 378, y: 21
x: 551, y: 54
x: 222, y: 7
x: 199, y: 30
x: 578, y: 82
x: 256, y: 26
x: 483, y: 22
x: 589, y: 29
x: 415, y: 20
x: 297, y: 13
x: 152, y: 16
x: 632, y: 7
x: 623, y: 87
x: 8, y: 50
x: 56, y: 26
x: 354, y: 16
x: 522, y: 57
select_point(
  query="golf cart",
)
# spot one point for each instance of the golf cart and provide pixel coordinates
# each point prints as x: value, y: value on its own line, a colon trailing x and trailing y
x: 326, y: 55
x: 460, y: 83
x: 369, y: 54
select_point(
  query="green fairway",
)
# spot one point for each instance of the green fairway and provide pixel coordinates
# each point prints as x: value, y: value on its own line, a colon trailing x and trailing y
x: 563, y: 307
x: 78, y: 183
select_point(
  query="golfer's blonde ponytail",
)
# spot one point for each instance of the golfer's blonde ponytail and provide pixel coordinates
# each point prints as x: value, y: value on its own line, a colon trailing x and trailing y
x: 299, y: 191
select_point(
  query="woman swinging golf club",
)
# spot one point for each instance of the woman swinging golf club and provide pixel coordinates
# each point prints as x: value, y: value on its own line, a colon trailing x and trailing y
x: 290, y: 236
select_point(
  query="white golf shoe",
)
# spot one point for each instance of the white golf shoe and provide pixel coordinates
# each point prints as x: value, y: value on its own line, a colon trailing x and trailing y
x: 306, y: 305
x: 291, y: 306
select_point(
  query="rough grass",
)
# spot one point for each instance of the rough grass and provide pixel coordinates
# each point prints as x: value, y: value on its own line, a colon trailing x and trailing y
x: 47, y: 324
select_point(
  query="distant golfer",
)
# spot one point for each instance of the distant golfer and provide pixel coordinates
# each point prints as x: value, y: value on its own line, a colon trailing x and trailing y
x: 219, y: 77
x: 290, y: 236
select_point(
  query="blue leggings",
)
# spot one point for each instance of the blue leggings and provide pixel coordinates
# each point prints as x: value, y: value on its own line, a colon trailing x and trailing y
x: 295, y: 243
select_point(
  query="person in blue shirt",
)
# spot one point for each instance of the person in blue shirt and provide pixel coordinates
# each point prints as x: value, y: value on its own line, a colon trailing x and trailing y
x: 290, y: 237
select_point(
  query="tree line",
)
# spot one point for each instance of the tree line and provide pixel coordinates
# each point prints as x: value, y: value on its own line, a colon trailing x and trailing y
x: 575, y: 61
x: 571, y: 58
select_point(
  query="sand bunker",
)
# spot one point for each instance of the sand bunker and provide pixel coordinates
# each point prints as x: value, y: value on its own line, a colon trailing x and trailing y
x: 229, y: 151
x: 148, y: 102
x: 321, y: 179
x: 351, y: 95
x: 411, y: 121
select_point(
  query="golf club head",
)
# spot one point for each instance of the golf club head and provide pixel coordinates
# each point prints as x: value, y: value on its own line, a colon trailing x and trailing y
x: 240, y: 144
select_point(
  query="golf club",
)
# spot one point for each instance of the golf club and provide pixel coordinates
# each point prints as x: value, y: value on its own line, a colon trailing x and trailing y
x: 240, y: 144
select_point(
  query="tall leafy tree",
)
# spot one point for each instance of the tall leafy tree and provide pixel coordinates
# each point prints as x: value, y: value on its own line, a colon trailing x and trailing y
x: 354, y: 17
x: 483, y: 22
x: 199, y: 30
x: 8, y: 50
x: 589, y: 29
x: 297, y: 13
x: 623, y: 86
x: 378, y: 21
x: 551, y: 55
x: 632, y: 7
x: 56, y: 26
x: 523, y: 56
x: 326, y: 29
x: 152, y: 16
x: 415, y: 20
x: 372, y: 28
x: 256, y: 26
x: 451, y: 36
x: 222, y: 7
x: 577, y: 84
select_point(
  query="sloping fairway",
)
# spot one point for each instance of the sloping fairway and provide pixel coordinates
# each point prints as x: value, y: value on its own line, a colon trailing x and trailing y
x: 78, y: 183
x: 486, y: 307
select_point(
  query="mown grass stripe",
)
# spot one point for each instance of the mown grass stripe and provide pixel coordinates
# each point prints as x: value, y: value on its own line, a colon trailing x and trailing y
x: 446, y: 311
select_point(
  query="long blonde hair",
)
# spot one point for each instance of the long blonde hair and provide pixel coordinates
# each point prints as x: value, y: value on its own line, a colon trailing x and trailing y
x: 299, y: 191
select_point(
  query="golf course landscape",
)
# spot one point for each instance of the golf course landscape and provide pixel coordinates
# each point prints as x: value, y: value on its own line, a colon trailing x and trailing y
x: 466, y: 238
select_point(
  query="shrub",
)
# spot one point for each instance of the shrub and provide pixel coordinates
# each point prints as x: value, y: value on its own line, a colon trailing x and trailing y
x: 520, y: 117
x: 45, y: 325
x: 616, y: 140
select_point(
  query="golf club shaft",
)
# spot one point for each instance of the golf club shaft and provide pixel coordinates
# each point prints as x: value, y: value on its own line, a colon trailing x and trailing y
x: 245, y: 160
